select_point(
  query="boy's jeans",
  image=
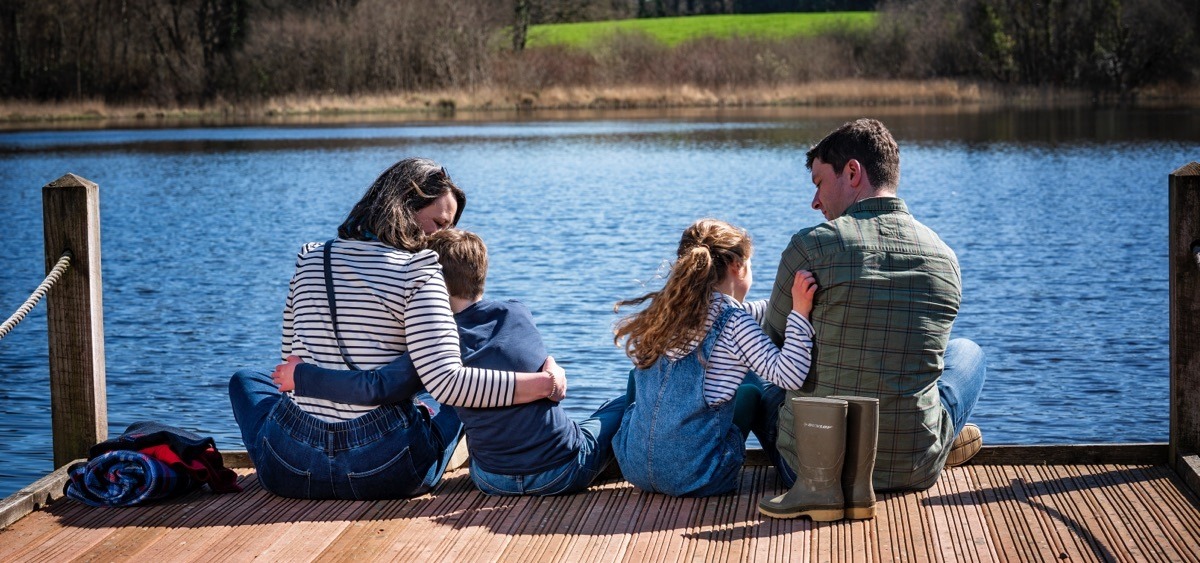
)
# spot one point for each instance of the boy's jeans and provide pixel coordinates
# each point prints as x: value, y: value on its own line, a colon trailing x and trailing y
x: 594, y: 455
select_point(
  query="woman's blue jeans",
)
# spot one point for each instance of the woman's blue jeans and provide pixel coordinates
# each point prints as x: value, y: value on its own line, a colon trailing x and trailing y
x: 394, y: 451
x: 595, y: 453
x: 963, y: 373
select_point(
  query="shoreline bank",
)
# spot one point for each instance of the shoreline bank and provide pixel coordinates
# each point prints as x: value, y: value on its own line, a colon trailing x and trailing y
x: 485, y: 104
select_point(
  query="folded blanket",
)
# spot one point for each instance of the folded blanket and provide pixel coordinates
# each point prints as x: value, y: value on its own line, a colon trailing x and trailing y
x: 125, y: 478
x: 185, y: 451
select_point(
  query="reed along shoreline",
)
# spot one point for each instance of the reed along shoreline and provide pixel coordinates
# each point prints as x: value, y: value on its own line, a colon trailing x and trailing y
x: 479, y: 103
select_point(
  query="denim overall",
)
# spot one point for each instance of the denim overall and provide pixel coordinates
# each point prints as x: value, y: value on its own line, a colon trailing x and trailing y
x: 671, y: 440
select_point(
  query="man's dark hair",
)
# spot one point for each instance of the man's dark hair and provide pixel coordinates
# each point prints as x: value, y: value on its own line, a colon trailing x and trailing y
x: 868, y: 142
x: 464, y: 261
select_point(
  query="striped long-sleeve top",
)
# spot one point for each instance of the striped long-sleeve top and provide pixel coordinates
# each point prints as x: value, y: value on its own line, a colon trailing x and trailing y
x: 389, y: 301
x: 743, y: 346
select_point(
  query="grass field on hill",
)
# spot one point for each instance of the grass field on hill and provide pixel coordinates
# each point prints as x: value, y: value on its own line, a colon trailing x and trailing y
x: 673, y: 31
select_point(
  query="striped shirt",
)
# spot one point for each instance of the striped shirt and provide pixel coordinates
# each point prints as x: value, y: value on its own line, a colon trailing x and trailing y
x: 742, y: 346
x: 389, y: 301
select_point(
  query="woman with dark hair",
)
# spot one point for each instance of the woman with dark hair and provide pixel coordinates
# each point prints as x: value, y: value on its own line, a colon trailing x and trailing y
x: 359, y: 301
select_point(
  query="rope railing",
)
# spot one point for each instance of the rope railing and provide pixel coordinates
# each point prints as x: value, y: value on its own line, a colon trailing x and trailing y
x: 55, y: 273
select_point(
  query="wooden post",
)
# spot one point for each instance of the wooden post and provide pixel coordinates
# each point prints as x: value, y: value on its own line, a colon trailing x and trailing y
x: 75, y: 320
x: 1185, y: 323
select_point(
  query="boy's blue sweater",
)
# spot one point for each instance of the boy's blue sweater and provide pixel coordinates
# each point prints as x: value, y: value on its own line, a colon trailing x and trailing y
x: 500, y: 335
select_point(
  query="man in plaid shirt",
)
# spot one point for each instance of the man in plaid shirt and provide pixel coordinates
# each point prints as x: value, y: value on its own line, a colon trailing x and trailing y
x: 889, y: 290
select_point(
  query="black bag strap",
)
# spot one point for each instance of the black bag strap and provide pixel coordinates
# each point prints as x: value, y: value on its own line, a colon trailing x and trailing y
x: 333, y: 305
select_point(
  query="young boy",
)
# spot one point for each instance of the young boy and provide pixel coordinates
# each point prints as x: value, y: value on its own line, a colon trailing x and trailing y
x: 529, y: 449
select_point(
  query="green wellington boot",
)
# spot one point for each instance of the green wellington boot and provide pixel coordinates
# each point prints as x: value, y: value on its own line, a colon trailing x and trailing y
x: 862, y: 441
x: 820, y: 426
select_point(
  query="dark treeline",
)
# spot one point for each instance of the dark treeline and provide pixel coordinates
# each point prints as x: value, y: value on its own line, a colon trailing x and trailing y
x: 197, y: 52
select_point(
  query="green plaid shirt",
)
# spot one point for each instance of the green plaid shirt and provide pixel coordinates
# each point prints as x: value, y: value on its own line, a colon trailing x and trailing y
x: 889, y: 290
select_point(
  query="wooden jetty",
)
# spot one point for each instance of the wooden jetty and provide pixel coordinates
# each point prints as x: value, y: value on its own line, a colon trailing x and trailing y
x: 1130, y: 502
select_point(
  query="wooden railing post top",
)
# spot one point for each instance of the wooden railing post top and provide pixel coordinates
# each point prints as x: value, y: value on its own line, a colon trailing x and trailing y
x: 1189, y: 169
x: 70, y: 180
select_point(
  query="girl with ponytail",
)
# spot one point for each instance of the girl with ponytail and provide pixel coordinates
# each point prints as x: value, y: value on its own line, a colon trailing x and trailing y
x: 699, y: 355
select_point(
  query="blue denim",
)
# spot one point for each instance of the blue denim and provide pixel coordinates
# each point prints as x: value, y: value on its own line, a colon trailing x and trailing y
x: 671, y: 440
x: 595, y: 453
x: 395, y: 451
x: 960, y: 385
x: 962, y: 380
x: 766, y: 427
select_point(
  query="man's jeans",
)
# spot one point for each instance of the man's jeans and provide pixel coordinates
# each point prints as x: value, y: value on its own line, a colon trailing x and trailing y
x: 394, y: 451
x: 594, y: 455
x: 960, y: 385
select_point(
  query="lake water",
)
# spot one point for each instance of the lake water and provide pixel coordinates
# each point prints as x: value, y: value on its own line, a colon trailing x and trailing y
x: 1059, y: 219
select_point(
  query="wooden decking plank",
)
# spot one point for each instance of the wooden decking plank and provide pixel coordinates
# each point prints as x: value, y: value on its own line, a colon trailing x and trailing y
x: 570, y: 519
x: 967, y: 532
x: 919, y: 531
x: 255, y: 529
x: 486, y: 530
x: 1042, y: 531
x: 1160, y: 520
x: 722, y: 536
x: 456, y: 504
x: 389, y: 527
x: 1095, y: 501
x: 499, y: 513
x: 592, y: 540
x: 305, y: 540
x: 684, y: 510
x: 992, y: 510
x: 207, y: 528
x: 1066, y: 534
x: 1020, y: 533
x: 649, y: 507
x: 1054, y: 520
x: 978, y: 531
x: 937, y: 501
x: 1128, y: 531
x: 154, y: 522
x: 542, y: 525
x: 45, y: 525
x: 690, y: 511
x: 1148, y: 513
x: 97, y: 524
x: 619, y: 529
x: 583, y: 538
x: 1103, y: 530
x: 552, y: 516
x: 740, y: 519
x: 608, y: 523
x: 1146, y: 529
x: 1182, y: 499
x: 1108, y: 531
x: 974, y: 513
x: 758, y: 527
x: 443, y: 517
x: 1179, y: 514
x: 575, y: 532
x: 1068, y: 494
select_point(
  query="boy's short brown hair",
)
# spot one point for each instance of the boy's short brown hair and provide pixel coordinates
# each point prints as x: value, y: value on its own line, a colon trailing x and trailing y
x: 464, y: 261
